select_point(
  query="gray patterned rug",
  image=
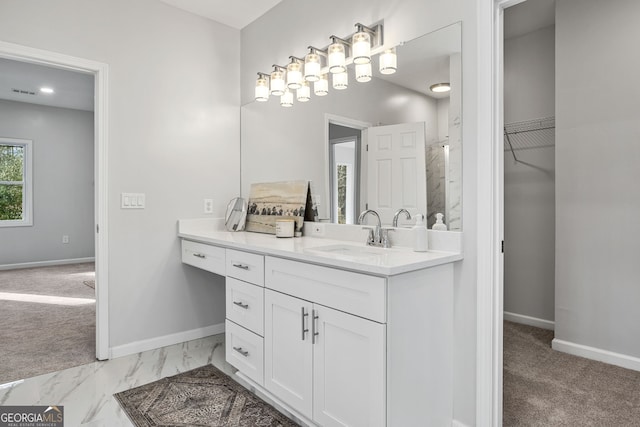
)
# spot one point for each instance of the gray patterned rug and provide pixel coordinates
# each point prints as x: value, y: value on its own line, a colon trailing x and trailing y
x: 204, y: 396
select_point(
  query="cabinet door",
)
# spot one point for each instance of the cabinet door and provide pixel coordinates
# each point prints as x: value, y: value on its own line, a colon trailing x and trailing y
x: 287, y: 350
x: 349, y: 373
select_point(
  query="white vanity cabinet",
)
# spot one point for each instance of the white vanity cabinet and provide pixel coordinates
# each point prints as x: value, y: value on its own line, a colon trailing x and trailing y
x: 339, y: 346
x: 326, y: 364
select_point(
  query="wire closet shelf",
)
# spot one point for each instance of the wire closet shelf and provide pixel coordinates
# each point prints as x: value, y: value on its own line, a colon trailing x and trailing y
x: 527, y: 134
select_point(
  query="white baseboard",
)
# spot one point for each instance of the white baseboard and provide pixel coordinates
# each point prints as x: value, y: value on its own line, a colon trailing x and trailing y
x: 456, y: 423
x: 531, y: 321
x: 165, y: 340
x: 593, y: 353
x: 46, y: 263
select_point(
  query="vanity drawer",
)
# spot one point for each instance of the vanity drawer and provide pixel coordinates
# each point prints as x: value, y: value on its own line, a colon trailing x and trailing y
x: 245, y: 305
x: 354, y: 293
x: 206, y: 257
x: 245, y: 266
x: 244, y: 350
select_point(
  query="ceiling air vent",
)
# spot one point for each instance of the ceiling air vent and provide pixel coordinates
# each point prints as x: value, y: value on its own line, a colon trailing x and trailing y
x: 24, y: 92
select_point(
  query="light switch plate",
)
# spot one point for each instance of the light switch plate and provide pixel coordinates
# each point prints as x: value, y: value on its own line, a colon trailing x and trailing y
x: 133, y: 201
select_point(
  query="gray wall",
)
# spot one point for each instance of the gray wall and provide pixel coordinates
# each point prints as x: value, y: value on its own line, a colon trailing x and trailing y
x: 529, y: 187
x: 597, y: 158
x: 174, y: 126
x: 62, y: 183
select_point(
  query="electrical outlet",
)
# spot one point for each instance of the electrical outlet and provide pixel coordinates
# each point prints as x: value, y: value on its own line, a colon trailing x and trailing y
x: 208, y: 206
x: 65, y: 239
x: 317, y: 229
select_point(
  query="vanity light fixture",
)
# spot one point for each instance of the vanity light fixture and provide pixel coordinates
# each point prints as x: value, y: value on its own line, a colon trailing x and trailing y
x: 334, y: 59
x: 262, y: 87
x: 337, y: 55
x: 388, y: 61
x: 440, y: 87
x: 361, y: 44
x: 303, y: 94
x: 286, y: 99
x: 277, y: 81
x: 312, y: 65
x: 363, y: 72
x: 340, y: 80
x: 321, y: 87
x: 294, y: 73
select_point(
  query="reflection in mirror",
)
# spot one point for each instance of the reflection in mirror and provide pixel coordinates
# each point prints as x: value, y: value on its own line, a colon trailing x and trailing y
x: 337, y: 141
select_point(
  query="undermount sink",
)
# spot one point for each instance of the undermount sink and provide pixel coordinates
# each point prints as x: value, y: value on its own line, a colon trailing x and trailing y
x: 350, y: 251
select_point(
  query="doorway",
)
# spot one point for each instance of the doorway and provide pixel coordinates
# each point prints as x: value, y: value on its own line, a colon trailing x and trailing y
x: 100, y: 72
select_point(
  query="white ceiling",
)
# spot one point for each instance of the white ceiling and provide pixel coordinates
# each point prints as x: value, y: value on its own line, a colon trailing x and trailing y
x: 237, y: 14
x: 529, y: 16
x: 71, y: 89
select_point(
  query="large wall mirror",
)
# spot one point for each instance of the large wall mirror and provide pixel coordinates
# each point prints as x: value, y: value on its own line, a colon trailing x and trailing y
x: 386, y: 144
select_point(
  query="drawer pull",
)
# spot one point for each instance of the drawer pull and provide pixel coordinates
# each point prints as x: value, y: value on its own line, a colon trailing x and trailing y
x: 241, y: 305
x: 314, y: 330
x: 241, y: 351
x: 199, y: 255
x: 304, y: 330
x: 242, y: 266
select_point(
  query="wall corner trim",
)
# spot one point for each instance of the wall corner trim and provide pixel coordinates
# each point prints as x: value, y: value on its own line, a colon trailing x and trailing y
x: 618, y: 359
x: 166, y: 340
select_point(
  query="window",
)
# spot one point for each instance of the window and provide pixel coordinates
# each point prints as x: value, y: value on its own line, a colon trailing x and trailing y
x: 15, y: 183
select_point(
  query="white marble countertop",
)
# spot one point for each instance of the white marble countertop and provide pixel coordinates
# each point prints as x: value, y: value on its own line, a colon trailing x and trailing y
x: 377, y: 261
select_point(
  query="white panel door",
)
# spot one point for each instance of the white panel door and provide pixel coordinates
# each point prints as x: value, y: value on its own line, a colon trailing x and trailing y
x: 288, y: 353
x: 349, y: 370
x: 397, y: 169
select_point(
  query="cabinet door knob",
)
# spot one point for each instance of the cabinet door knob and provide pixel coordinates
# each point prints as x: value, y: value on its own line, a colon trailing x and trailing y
x: 241, y: 305
x: 241, y: 351
x: 314, y: 327
x: 199, y: 255
x: 304, y: 330
x: 241, y: 266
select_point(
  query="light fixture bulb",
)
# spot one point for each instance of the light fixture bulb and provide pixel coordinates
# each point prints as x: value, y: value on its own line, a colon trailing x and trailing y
x: 321, y: 87
x: 303, y: 94
x: 336, y: 58
x: 277, y: 83
x: 363, y: 72
x: 361, y: 47
x: 388, y: 61
x: 341, y: 81
x: 46, y: 90
x: 312, y: 67
x: 294, y: 75
x: 286, y: 100
x: 440, y: 87
x: 262, y: 89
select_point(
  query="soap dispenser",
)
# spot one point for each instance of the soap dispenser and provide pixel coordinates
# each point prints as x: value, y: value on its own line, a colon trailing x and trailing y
x: 439, y: 225
x: 419, y: 235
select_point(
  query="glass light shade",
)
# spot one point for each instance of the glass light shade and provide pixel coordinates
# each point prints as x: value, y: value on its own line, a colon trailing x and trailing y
x: 277, y: 83
x: 321, y: 87
x: 286, y: 100
x: 312, y: 67
x: 304, y: 92
x: 262, y: 89
x: 363, y: 72
x: 361, y: 48
x: 340, y: 81
x: 388, y: 61
x: 294, y: 75
x: 336, y: 58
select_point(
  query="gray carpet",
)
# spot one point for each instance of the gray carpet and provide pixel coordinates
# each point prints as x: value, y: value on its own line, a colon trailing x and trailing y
x: 543, y: 387
x: 38, y: 338
x: 204, y: 396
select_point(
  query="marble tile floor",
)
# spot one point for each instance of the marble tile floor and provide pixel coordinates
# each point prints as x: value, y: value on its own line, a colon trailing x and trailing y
x: 86, y: 391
